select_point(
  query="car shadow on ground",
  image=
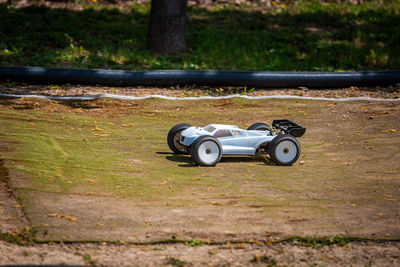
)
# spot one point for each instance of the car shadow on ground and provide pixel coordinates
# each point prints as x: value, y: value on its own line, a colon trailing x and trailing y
x: 188, y: 162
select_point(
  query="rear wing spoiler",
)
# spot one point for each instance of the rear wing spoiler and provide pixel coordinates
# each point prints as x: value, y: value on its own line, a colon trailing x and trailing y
x: 289, y: 127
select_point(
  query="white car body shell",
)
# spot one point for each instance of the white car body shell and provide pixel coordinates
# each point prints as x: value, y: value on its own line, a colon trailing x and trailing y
x: 234, y: 140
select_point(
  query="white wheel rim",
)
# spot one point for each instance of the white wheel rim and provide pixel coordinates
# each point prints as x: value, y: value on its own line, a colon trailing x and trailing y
x: 208, y: 152
x: 286, y: 151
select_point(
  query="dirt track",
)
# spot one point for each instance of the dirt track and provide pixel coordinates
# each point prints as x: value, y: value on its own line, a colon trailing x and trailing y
x: 355, y: 253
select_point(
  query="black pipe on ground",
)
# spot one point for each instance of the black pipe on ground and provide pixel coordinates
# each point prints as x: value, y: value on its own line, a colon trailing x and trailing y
x: 260, y: 79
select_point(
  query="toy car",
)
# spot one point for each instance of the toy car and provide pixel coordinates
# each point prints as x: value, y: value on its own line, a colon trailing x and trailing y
x: 208, y: 144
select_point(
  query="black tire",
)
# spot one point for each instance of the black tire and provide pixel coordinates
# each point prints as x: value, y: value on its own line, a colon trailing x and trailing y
x: 174, y: 136
x: 284, y: 150
x: 260, y: 126
x: 206, y: 151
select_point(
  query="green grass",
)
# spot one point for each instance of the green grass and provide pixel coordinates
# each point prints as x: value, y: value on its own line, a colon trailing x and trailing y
x: 304, y: 35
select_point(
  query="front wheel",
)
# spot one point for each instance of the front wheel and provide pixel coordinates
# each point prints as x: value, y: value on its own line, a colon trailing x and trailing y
x: 174, y: 136
x: 284, y: 150
x: 206, y: 151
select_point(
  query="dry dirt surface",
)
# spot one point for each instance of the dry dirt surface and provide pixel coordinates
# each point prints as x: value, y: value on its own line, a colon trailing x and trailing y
x: 240, y: 254
x: 241, y: 250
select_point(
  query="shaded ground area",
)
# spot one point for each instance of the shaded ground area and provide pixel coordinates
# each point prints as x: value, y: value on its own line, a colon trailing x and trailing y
x: 104, y: 168
x: 287, y: 35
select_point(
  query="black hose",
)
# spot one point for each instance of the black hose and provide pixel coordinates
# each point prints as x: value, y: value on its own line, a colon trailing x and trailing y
x: 259, y: 79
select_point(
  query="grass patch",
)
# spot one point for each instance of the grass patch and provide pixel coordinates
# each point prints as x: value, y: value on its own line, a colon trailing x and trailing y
x: 321, y: 242
x: 24, y: 237
x: 175, y: 262
x: 300, y: 36
x: 195, y: 243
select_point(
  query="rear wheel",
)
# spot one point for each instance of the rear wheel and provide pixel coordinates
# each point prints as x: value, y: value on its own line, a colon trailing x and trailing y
x: 174, y: 136
x: 206, y: 151
x: 284, y: 149
x: 260, y: 126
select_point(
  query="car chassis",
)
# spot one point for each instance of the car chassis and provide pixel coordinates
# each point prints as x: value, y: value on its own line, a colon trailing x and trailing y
x: 208, y: 144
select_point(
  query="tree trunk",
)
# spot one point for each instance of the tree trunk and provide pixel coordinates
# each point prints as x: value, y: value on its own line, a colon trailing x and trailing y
x: 167, y: 28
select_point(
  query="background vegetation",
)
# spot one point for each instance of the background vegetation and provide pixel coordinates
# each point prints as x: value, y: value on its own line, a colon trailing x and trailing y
x: 285, y: 35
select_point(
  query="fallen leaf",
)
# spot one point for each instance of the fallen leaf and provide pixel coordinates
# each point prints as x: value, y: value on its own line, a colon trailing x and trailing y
x: 100, y: 224
x: 91, y: 180
x: 52, y: 214
x: 389, y: 131
x: 144, y: 248
x: 241, y: 246
x: 127, y: 125
x: 3, y: 203
x: 72, y: 219
x: 353, y: 205
x: 388, y: 195
x: 380, y: 214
